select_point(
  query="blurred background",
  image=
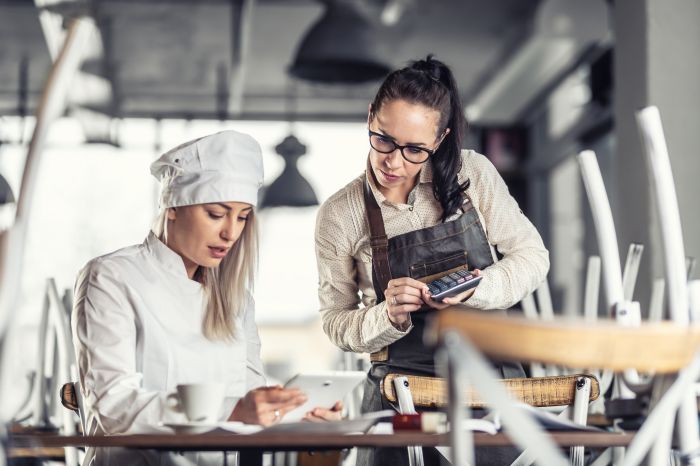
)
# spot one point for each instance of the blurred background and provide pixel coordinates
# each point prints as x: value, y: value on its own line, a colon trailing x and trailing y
x: 541, y: 80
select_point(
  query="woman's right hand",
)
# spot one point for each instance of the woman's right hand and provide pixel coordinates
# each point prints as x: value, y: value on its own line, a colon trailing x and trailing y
x: 403, y: 296
x: 267, y: 405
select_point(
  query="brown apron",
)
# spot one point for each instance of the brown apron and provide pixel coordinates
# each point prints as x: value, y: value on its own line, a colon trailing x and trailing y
x: 422, y: 254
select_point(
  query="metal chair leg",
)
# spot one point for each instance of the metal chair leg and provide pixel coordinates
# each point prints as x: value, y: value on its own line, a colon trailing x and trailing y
x: 462, y: 442
x: 406, y: 406
x: 523, y: 430
x: 580, y: 415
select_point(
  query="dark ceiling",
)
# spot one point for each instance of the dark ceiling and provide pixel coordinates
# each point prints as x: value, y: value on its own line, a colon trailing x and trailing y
x: 229, y: 59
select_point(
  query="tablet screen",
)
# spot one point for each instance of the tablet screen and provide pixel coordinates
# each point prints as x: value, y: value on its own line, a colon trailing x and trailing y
x: 323, y: 389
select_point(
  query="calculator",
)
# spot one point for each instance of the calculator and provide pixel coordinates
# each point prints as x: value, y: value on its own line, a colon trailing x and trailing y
x: 453, y: 284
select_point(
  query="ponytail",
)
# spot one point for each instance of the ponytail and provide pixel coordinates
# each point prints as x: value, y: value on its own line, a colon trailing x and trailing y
x: 430, y: 83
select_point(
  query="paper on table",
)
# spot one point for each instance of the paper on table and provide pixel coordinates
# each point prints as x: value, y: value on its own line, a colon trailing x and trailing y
x: 476, y: 425
x: 346, y: 426
x: 549, y: 421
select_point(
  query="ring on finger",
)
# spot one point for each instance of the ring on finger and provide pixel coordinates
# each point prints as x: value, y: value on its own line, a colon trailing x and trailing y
x: 277, y: 414
x: 393, y: 301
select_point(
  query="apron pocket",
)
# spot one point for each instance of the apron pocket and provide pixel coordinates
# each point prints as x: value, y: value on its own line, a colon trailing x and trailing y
x: 426, y: 272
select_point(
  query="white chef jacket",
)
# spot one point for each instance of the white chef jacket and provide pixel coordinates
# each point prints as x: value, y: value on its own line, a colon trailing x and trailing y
x: 137, y: 332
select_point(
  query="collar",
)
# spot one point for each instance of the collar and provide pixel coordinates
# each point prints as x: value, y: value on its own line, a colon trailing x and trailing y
x: 166, y: 257
x: 426, y: 173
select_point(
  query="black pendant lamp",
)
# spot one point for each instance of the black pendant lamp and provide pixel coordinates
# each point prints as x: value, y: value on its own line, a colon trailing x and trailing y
x: 290, y: 189
x: 343, y: 46
x: 6, y: 196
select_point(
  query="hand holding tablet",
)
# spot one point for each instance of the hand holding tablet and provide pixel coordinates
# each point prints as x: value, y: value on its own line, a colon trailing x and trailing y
x: 323, y: 390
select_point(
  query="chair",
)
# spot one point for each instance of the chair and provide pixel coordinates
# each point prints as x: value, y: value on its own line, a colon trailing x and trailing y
x: 571, y: 392
x: 55, y: 364
x: 465, y: 337
x: 72, y: 400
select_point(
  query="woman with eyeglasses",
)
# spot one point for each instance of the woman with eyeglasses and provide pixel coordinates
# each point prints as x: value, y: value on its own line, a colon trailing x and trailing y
x: 423, y: 208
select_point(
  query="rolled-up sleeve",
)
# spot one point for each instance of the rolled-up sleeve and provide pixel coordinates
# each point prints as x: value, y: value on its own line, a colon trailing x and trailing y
x: 348, y: 324
x: 525, y: 261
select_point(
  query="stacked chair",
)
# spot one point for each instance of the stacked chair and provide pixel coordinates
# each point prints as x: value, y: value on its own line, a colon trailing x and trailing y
x: 55, y: 366
x: 657, y: 362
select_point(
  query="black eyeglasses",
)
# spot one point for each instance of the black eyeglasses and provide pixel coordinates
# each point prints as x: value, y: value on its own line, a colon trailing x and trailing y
x: 386, y: 145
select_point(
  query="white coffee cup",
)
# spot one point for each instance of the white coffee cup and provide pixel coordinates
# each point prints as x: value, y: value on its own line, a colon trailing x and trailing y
x: 201, y: 402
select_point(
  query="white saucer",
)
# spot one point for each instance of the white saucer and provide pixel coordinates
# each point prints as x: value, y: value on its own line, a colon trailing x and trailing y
x: 193, y: 427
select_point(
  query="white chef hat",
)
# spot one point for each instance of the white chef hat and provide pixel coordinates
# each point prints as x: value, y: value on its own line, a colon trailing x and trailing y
x: 222, y: 167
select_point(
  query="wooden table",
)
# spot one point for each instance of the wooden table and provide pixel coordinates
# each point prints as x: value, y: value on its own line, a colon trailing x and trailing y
x: 223, y: 441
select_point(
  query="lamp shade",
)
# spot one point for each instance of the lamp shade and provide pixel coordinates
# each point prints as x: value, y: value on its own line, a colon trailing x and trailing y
x: 343, y: 46
x: 6, y: 196
x: 290, y: 189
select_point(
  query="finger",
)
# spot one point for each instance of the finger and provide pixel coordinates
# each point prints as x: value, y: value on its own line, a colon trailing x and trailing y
x: 451, y: 301
x: 404, y: 308
x: 428, y: 299
x: 437, y: 305
x: 405, y: 281
x: 269, y: 388
x: 408, y: 299
x: 288, y: 405
x: 408, y: 290
x: 460, y: 298
x: 310, y: 417
x: 274, y: 412
x: 270, y: 417
x: 323, y: 414
x: 280, y: 395
x: 405, y: 295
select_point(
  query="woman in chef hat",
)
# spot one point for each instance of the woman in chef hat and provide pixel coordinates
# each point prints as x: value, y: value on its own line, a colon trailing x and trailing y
x: 178, y: 308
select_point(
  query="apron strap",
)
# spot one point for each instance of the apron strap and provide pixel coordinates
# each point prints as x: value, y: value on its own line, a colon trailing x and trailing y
x: 378, y: 242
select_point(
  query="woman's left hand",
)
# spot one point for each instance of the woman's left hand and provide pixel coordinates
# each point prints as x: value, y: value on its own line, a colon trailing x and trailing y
x: 456, y: 299
x: 325, y: 414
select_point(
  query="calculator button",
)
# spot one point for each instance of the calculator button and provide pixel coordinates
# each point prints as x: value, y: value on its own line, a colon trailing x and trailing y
x: 454, y: 276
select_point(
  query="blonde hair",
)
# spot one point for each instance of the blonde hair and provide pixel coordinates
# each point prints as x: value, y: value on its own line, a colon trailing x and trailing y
x: 227, y: 287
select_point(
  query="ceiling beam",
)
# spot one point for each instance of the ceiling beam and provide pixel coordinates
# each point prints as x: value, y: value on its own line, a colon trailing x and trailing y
x: 349, y: 117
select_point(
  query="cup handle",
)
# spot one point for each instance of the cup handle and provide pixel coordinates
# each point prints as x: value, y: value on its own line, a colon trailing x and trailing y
x: 172, y: 401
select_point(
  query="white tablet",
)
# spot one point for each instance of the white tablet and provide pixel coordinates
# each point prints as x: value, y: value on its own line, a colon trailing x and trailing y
x: 323, y: 389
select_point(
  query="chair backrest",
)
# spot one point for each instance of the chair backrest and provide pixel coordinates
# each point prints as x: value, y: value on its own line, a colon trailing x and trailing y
x: 656, y: 152
x: 431, y: 392
x: 72, y: 399
x: 604, y: 226
x: 69, y: 397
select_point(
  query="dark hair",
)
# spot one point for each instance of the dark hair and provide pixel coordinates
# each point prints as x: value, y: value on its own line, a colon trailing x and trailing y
x: 430, y: 82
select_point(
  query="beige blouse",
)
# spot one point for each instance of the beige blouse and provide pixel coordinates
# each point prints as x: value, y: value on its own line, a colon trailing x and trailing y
x: 351, y: 318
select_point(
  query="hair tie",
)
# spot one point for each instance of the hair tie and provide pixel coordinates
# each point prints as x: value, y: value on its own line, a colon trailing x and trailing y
x: 430, y: 75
